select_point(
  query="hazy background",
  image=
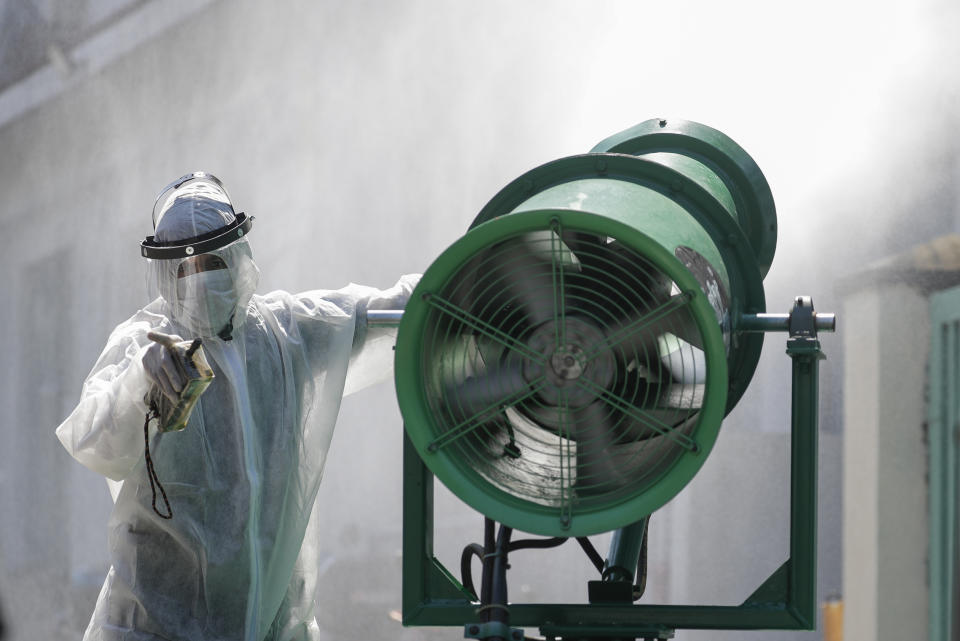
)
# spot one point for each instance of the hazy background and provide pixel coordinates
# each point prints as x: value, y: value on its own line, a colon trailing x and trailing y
x: 364, y: 136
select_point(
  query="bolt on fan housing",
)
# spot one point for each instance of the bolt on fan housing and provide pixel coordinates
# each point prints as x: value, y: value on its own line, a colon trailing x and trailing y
x: 565, y: 366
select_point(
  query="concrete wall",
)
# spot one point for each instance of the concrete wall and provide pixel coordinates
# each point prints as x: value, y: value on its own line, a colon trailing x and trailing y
x: 885, y: 537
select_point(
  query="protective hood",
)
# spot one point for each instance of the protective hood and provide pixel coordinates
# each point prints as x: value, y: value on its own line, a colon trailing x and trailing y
x: 207, y: 294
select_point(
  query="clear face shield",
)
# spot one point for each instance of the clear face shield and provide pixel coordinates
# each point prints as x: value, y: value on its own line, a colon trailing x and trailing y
x: 198, y: 260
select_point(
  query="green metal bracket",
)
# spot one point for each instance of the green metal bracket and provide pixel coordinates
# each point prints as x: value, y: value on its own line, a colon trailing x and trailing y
x: 786, y: 600
x: 774, y: 590
x: 802, y: 584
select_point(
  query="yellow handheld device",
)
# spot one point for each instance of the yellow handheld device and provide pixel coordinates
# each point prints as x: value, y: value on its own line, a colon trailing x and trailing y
x: 192, y: 363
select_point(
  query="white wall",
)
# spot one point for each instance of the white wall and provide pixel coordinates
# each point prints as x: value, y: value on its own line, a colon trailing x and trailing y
x: 885, y: 537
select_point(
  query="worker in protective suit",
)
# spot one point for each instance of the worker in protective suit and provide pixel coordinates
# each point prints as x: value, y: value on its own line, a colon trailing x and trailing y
x: 238, y: 558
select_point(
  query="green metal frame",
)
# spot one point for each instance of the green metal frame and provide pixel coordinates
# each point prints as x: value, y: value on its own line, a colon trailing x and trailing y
x: 786, y: 600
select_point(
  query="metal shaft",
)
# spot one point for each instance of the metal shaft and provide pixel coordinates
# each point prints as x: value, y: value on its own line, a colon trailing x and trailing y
x: 384, y: 317
x: 781, y: 322
x: 624, y: 552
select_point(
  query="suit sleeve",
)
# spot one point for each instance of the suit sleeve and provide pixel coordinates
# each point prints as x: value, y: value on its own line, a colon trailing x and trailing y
x: 105, y: 430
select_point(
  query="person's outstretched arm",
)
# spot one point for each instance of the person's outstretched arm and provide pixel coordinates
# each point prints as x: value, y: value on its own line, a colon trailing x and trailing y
x: 105, y: 430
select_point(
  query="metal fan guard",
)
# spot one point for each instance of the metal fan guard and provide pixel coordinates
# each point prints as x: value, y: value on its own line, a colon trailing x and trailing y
x: 537, y: 390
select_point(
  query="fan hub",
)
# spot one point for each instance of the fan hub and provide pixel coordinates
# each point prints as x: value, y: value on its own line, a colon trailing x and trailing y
x: 567, y: 345
x: 568, y: 362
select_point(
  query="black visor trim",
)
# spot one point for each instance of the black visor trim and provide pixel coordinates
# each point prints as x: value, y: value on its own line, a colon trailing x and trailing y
x: 201, y: 244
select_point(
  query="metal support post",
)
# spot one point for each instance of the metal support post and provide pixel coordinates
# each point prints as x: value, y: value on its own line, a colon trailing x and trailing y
x: 805, y: 353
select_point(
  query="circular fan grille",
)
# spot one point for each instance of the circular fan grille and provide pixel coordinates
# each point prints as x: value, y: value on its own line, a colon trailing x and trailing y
x: 564, y: 373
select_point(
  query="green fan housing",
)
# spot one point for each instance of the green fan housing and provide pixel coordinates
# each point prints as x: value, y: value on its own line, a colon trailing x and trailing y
x: 565, y: 366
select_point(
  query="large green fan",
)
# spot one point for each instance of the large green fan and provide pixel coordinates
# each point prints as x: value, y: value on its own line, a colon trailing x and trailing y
x: 565, y: 366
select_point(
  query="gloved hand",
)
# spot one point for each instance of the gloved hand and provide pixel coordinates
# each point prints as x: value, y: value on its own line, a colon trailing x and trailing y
x: 161, y: 367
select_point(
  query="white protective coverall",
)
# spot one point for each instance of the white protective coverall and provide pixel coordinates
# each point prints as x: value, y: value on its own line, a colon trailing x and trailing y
x: 238, y: 560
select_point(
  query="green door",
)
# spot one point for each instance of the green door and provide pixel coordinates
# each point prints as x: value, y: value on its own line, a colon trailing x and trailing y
x: 944, y: 442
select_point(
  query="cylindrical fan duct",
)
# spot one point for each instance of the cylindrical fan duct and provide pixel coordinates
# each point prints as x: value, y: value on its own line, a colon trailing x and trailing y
x: 565, y: 366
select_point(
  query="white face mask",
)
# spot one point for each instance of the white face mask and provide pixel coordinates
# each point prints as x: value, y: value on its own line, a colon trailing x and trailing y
x: 207, y: 301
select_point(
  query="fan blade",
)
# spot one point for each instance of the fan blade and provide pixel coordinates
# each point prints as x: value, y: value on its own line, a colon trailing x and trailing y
x: 612, y: 280
x: 687, y: 363
x: 634, y: 273
x: 609, y: 458
x: 522, y: 274
x: 637, y: 337
x: 681, y: 324
x: 601, y: 449
x: 486, y: 392
x: 461, y: 292
x: 651, y: 400
x: 473, y: 405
